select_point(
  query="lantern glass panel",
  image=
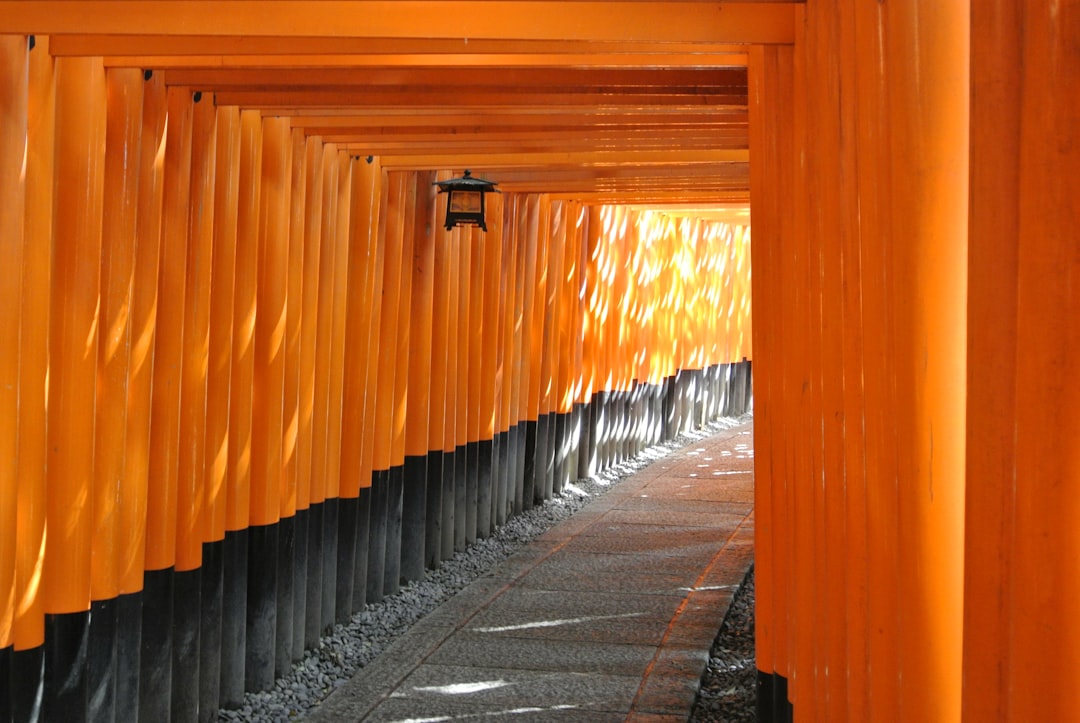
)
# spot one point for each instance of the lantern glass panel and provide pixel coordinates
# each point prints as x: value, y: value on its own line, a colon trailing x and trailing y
x: 465, y: 201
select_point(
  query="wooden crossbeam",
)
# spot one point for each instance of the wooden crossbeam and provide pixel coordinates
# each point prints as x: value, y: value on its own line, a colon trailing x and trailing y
x: 615, y: 20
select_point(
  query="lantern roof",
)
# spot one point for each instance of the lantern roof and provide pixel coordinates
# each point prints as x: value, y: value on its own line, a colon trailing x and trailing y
x: 467, y: 182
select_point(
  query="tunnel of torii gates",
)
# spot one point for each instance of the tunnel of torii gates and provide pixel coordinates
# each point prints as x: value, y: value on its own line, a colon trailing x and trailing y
x: 248, y: 383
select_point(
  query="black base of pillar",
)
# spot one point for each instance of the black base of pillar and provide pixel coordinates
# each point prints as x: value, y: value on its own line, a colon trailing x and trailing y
x: 300, y: 584
x: 213, y: 555
x: 461, y: 497
x: 528, y: 491
x: 518, y: 434
x: 5, y: 684
x: 472, y: 491
x: 155, y: 678
x: 772, y: 700
x: 67, y: 642
x: 27, y: 677
x: 261, y: 624
x: 433, y: 523
x: 233, y: 617
x: 449, y: 504
x: 314, y: 587
x: 360, y: 559
x: 394, y: 505
x: 414, y: 518
x: 484, y: 488
x: 187, y: 594
x: 101, y: 670
x: 283, y: 636
x: 380, y: 481
x: 129, y: 617
x: 346, y: 558
x: 328, y: 595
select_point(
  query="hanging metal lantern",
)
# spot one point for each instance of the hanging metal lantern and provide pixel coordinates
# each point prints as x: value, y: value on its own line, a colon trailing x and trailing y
x: 465, y: 202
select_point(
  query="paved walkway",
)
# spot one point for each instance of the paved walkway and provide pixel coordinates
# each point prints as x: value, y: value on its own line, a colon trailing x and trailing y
x: 606, y: 617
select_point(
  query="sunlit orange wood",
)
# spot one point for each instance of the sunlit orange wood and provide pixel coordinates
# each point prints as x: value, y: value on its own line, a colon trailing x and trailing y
x: 305, y: 439
x: 993, y: 227
x: 391, y: 293
x: 220, y: 347
x: 340, y: 237
x: 238, y: 497
x: 328, y: 169
x: 14, y: 89
x: 80, y: 156
x: 191, y: 472
x: 28, y: 631
x: 144, y: 301
x: 380, y: 201
x: 169, y: 336
x: 270, y: 322
x: 1043, y: 475
x: 294, y: 314
x: 417, y: 441
x: 355, y: 425
x: 929, y: 147
x: 195, y: 51
x: 294, y: 305
x: 614, y: 20
x: 122, y: 146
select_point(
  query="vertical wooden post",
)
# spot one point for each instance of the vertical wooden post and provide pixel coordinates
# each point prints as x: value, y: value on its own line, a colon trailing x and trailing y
x: 356, y: 424
x: 392, y: 573
x: 188, y: 608
x: 436, y: 532
x: 384, y: 401
x: 308, y: 511
x: 218, y: 368
x: 771, y: 178
x: 929, y: 146
x: 324, y: 521
x: 28, y: 624
x: 292, y: 568
x: 73, y: 352
x: 238, y: 480
x: 475, y: 322
x: 14, y: 90
x: 417, y: 439
x: 122, y: 162
x: 1023, y: 476
x: 492, y: 243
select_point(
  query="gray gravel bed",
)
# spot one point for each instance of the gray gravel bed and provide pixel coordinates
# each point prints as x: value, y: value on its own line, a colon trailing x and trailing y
x: 351, y: 646
x: 728, y: 692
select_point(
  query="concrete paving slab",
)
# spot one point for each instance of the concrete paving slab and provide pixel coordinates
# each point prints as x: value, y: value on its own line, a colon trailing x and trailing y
x: 607, y: 617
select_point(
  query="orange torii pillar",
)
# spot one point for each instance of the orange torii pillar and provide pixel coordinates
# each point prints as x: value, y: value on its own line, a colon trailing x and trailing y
x: 238, y: 464
x: 292, y: 568
x: 161, y: 518
x: 518, y: 221
x: 417, y: 441
x: 354, y: 512
x: 14, y: 92
x: 267, y: 405
x: 438, y: 526
x: 1022, y: 660
x: 507, y: 420
x: 188, y: 607
x: 308, y: 604
x: 490, y: 244
x: 384, y: 420
x: 862, y: 378
x: 66, y: 580
x: 469, y: 374
x: 395, y: 499
x: 27, y: 635
x: 219, y: 363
